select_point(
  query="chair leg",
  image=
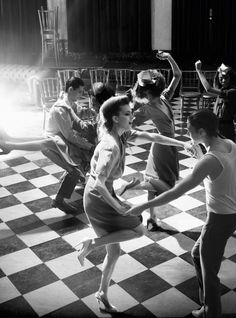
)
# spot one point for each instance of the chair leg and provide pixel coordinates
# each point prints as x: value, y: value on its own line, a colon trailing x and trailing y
x: 181, y: 107
x: 55, y: 44
x: 43, y: 49
x: 44, y: 119
x: 198, y: 100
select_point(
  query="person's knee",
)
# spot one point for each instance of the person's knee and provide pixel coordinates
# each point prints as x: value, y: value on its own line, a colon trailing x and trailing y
x: 47, y: 145
x: 195, y: 253
x: 151, y: 195
x: 113, y: 251
x: 140, y: 231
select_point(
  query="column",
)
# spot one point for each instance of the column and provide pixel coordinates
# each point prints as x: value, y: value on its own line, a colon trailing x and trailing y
x: 161, y: 24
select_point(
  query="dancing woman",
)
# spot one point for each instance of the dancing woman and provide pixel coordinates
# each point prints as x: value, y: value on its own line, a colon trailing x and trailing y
x: 102, y: 207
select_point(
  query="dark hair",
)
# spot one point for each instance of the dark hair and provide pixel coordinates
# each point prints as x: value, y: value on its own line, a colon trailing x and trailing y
x: 155, y: 88
x: 74, y: 82
x: 205, y: 119
x: 101, y: 92
x: 232, y: 79
x: 110, y: 108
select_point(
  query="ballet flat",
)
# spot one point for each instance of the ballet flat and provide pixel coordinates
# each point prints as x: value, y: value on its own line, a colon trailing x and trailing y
x: 130, y: 184
x: 85, y: 244
x: 108, y: 308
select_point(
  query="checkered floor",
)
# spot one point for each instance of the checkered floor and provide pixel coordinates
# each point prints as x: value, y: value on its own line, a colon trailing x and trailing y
x: 40, y: 274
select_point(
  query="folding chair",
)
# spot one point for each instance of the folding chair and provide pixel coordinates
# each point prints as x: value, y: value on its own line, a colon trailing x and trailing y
x: 48, y: 20
x: 49, y: 91
x: 189, y: 89
x: 99, y: 75
x: 125, y: 79
x: 64, y: 75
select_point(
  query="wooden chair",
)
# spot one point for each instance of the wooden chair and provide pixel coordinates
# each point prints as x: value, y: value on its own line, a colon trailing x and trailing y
x: 99, y: 75
x: 190, y: 91
x: 49, y: 92
x: 125, y: 79
x: 64, y: 75
x: 48, y: 20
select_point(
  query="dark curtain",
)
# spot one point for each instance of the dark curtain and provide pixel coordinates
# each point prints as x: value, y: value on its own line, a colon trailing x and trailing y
x: 104, y: 26
x: 20, y: 40
x: 224, y: 28
x: 203, y: 29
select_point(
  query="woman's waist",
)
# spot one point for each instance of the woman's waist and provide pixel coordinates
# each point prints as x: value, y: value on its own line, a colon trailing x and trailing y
x: 108, y: 183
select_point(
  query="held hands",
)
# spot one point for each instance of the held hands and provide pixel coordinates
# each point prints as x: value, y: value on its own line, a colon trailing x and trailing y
x: 189, y: 147
x: 162, y: 55
x: 198, y: 65
x: 124, y: 207
x: 135, y: 210
x: 195, y: 151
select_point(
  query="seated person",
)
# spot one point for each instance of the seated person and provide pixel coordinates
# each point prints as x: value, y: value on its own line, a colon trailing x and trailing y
x: 99, y: 93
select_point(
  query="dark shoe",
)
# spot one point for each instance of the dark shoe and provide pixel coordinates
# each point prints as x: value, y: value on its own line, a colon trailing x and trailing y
x: 64, y: 206
x: 130, y: 184
x: 152, y: 226
x: 199, y: 313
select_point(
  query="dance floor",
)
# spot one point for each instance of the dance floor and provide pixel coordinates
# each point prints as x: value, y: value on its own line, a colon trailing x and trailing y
x: 39, y: 271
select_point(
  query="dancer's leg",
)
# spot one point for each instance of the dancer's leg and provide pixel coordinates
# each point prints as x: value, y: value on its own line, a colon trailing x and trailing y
x: 111, y: 238
x: 110, y: 260
x: 36, y: 145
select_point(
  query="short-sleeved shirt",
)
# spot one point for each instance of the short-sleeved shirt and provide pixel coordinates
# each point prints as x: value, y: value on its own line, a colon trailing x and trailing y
x: 109, y: 156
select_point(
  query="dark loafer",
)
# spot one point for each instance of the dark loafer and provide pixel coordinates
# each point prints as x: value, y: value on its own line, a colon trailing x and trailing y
x: 64, y: 206
x: 152, y: 226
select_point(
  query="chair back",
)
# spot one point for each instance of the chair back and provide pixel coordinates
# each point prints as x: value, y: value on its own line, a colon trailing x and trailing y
x: 189, y: 82
x: 125, y: 79
x: 49, y: 89
x: 99, y: 75
x: 48, y: 20
x: 49, y: 93
x: 64, y: 75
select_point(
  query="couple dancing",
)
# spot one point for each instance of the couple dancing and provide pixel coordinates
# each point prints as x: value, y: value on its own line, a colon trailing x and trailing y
x: 115, y: 221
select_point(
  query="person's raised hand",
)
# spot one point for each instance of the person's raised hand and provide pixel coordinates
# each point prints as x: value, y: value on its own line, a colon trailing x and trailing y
x: 162, y: 55
x: 198, y: 65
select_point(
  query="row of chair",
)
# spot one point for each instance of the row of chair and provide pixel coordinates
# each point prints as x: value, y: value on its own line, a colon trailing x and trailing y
x: 49, y: 88
x: 191, y: 90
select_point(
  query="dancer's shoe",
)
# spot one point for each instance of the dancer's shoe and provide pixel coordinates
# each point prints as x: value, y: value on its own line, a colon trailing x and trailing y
x: 152, y: 226
x: 130, y: 184
x: 85, y: 244
x: 64, y: 206
x: 199, y: 313
x: 107, y: 307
